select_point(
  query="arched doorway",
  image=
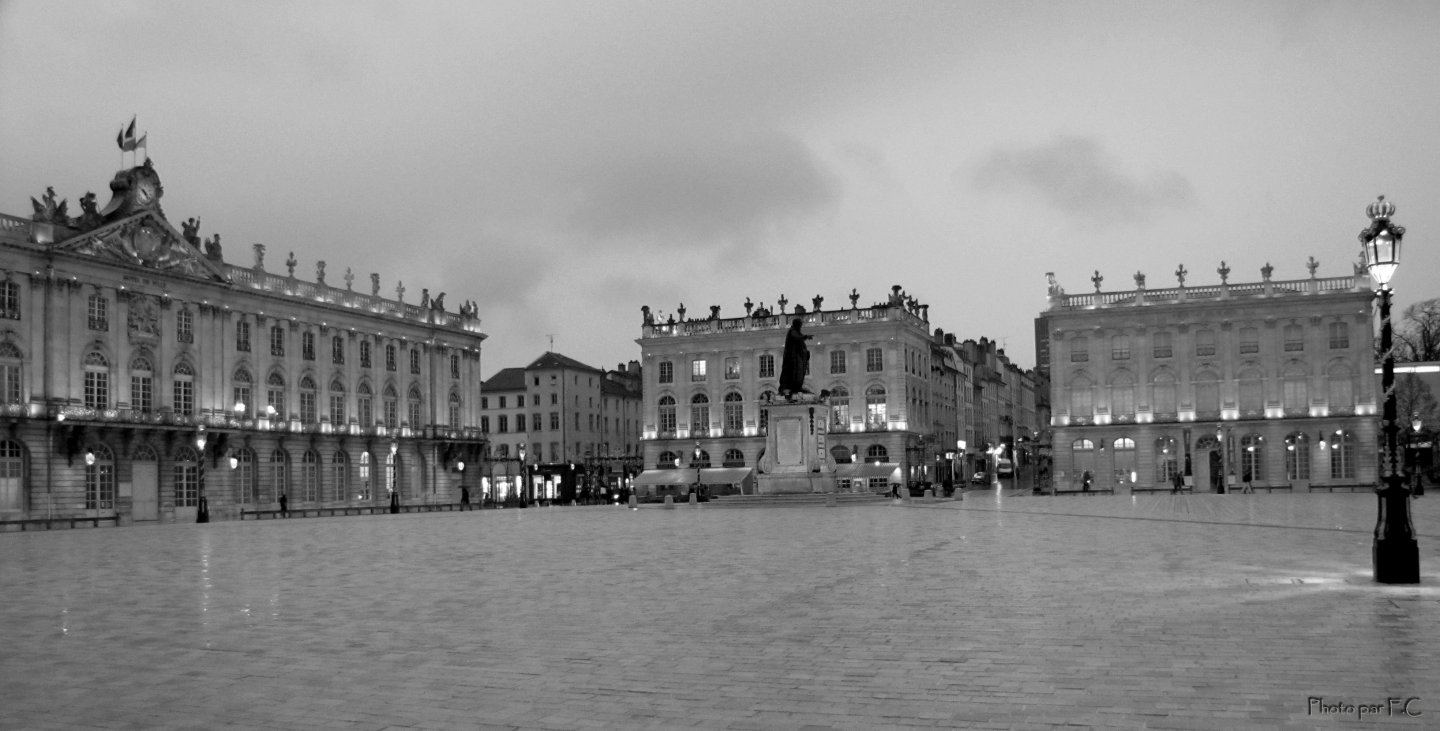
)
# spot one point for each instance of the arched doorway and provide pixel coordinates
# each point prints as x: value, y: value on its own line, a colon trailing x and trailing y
x: 1209, y: 468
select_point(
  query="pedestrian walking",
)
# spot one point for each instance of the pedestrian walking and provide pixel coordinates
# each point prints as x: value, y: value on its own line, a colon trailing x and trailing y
x: 464, y: 495
x: 1177, y: 483
x: 1085, y: 481
x: 1247, y: 487
x: 284, y: 506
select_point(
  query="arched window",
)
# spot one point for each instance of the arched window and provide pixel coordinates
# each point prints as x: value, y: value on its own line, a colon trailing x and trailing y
x: 1163, y: 396
x: 734, y: 414
x: 699, y: 458
x: 310, y: 476
x: 840, y: 407
x: 390, y: 402
x: 279, y: 474
x: 877, y: 454
x: 765, y: 398
x: 1342, y: 456
x: 1124, y: 458
x: 1167, y: 459
x: 97, y: 381
x: 275, y: 396
x: 699, y: 415
x: 1122, y: 396
x: 365, y: 493
x: 1297, y: 456
x: 10, y: 362
x: 1340, y: 384
x: 99, y: 478
x: 1297, y: 392
x: 1082, y: 400
x: 454, y: 408
x: 244, y: 393
x: 392, y: 473
x: 875, y: 408
x: 246, y: 477
x: 187, y: 477
x: 1252, y: 457
x: 12, y: 475
x: 734, y: 458
x: 142, y: 384
x: 414, y: 408
x: 309, y: 400
x: 337, y: 403
x: 667, y: 416
x: 1207, y: 395
x: 183, y: 389
x: 1252, y: 393
x: 667, y: 460
x: 365, y: 406
x: 340, y: 475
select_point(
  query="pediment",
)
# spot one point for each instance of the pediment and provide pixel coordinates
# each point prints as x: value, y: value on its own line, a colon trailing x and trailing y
x: 145, y: 240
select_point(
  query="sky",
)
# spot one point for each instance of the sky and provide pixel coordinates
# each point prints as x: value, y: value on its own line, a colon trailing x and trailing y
x: 564, y: 163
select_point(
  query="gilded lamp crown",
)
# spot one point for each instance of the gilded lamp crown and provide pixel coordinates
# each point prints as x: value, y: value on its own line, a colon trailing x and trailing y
x: 1380, y: 210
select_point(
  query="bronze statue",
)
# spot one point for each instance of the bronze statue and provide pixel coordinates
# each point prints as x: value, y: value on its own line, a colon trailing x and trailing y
x: 795, y: 362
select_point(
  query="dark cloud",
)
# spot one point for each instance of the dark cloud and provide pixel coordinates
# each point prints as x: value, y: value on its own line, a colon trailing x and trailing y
x: 1077, y: 177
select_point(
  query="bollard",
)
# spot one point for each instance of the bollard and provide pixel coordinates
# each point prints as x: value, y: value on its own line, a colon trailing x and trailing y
x: 829, y: 499
x: 633, y: 502
x: 669, y: 501
x: 693, y: 502
x: 929, y: 494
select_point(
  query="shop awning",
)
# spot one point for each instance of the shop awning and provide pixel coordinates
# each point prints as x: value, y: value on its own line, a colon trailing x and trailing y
x: 862, y: 470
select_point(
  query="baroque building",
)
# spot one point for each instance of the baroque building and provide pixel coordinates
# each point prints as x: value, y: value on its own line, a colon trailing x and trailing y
x: 1270, y: 380
x: 577, y: 425
x: 147, y: 378
x: 708, y: 384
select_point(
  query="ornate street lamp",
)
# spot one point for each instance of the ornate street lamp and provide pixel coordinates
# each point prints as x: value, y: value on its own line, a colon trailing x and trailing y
x: 525, y: 478
x: 1395, y: 553
x: 696, y: 462
x: 202, y: 509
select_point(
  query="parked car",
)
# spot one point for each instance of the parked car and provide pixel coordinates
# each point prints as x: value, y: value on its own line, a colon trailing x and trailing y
x: 980, y: 478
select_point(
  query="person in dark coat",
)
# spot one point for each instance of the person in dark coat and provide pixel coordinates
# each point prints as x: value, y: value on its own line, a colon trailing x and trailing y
x: 795, y: 362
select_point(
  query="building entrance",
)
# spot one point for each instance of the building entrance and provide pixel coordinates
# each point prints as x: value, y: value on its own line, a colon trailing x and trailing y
x: 146, y: 504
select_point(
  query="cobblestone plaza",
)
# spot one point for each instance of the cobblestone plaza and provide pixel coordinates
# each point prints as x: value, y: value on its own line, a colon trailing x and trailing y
x: 1004, y: 611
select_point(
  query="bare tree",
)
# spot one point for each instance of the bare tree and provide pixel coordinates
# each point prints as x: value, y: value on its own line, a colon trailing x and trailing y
x: 1417, y: 339
x: 1413, y: 398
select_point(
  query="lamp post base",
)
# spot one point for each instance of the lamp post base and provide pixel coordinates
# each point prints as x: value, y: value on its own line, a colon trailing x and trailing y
x: 1395, y: 553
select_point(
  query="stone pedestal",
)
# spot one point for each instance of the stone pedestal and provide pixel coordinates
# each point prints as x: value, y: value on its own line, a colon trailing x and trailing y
x: 797, y: 454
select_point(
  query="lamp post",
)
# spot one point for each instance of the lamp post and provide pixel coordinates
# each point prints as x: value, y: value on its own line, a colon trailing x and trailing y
x: 392, y: 475
x: 1395, y: 553
x: 1416, y: 424
x: 524, y: 496
x: 202, y: 510
x: 696, y: 462
x: 949, y: 472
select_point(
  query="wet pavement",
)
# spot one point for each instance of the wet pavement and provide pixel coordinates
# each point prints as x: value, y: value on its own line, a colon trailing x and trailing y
x: 1004, y: 611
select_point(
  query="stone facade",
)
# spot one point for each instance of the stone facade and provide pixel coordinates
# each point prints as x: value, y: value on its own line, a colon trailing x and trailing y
x: 145, y: 376
x: 1270, y: 379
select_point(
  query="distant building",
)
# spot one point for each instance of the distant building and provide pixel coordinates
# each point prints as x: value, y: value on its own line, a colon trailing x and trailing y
x: 573, y: 421
x: 708, y: 383
x: 143, y: 377
x: 1269, y: 379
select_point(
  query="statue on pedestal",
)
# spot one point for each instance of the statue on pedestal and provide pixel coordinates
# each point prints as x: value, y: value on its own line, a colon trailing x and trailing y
x: 795, y: 362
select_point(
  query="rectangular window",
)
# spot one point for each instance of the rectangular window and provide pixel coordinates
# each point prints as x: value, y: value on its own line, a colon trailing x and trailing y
x: 10, y: 300
x: 1294, y: 338
x: 142, y: 393
x: 1205, y: 342
x: 242, y: 396
x: 554, y: 399
x: 732, y: 369
x: 1120, y: 347
x: 520, y: 422
x: 275, y: 398
x: 415, y: 361
x: 485, y: 402
x: 10, y: 383
x: 874, y: 360
x: 667, y: 372
x: 184, y: 395
x: 536, y: 423
x: 277, y: 340
x: 337, y: 408
x: 1080, y: 350
x: 365, y: 404
x: 837, y: 361
x: 185, y: 326
x: 307, y: 346
x: 502, y: 402
x: 697, y: 369
x: 309, y: 407
x: 454, y: 365
x: 390, y: 363
x: 337, y: 350
x: 97, y: 390
x: 364, y: 353
x: 1339, y: 336
x: 1162, y: 345
x: 413, y: 410
x: 1249, y: 340
x: 554, y: 421
x: 485, y: 423
x: 99, y: 313
x: 242, y: 336
x: 767, y: 366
